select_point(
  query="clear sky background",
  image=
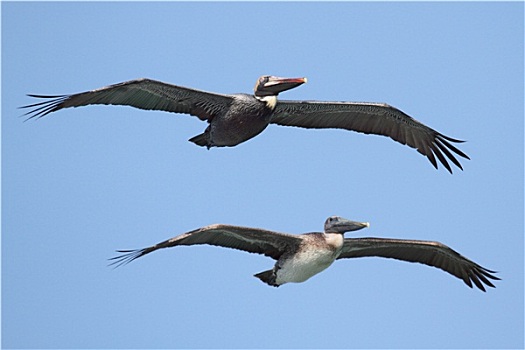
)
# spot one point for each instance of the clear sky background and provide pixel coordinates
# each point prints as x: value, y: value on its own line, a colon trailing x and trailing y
x: 81, y: 183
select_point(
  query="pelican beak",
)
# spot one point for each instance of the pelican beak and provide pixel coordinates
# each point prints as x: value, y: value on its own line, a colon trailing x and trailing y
x: 283, y: 84
x: 344, y: 225
x: 272, y: 86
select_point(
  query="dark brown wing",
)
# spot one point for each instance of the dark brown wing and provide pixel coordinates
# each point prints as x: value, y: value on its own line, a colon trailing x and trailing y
x: 252, y: 240
x: 370, y: 118
x: 425, y: 252
x: 141, y: 93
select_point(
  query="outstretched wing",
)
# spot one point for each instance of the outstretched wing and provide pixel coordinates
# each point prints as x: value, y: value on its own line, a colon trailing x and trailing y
x: 425, y: 252
x: 370, y: 118
x: 251, y: 240
x: 140, y: 93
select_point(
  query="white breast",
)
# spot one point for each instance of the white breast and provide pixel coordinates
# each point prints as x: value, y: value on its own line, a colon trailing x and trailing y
x: 310, y: 261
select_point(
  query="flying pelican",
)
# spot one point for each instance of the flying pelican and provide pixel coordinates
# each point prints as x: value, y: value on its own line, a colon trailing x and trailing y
x: 236, y: 118
x: 300, y: 257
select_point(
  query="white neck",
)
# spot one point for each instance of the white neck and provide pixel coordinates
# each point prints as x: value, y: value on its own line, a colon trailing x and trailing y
x: 335, y: 240
x: 271, y: 101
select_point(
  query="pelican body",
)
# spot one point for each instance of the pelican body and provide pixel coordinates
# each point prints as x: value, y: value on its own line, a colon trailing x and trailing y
x: 314, y: 254
x: 299, y: 257
x: 236, y: 118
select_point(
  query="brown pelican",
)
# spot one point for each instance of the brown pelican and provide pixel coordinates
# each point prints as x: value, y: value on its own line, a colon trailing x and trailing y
x: 236, y: 118
x: 300, y: 257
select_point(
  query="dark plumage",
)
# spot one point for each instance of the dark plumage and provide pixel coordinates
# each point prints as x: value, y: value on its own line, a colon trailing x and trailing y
x: 236, y: 118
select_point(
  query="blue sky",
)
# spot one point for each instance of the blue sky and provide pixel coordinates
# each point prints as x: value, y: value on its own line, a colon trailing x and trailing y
x: 81, y: 183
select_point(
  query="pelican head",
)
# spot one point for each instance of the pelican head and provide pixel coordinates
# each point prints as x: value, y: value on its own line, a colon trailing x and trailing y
x: 337, y: 224
x: 268, y: 85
